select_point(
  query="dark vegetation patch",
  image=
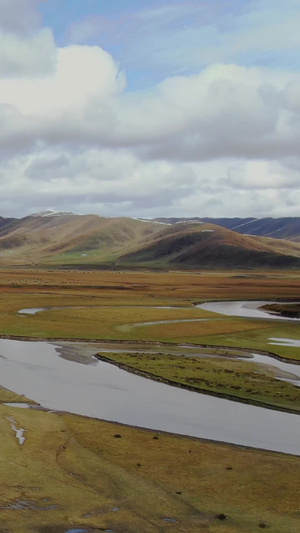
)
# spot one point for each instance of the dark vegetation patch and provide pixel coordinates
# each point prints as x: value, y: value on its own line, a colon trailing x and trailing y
x: 291, y: 310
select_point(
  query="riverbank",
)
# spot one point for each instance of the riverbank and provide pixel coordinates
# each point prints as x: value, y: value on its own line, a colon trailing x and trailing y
x: 138, y: 365
x: 74, y: 472
x: 220, y: 372
x: 38, y: 371
x: 287, y: 310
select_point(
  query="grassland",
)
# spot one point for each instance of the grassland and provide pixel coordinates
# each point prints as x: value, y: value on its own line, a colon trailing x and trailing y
x: 74, y: 472
x: 234, y: 379
x: 108, y: 305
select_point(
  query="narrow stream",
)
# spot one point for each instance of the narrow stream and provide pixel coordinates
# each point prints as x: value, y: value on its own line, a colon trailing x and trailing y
x: 103, y: 391
x: 243, y: 309
x: 291, y: 372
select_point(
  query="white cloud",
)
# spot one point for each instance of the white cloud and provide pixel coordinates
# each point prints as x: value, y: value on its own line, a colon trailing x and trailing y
x: 78, y: 137
x: 222, y: 141
x: 92, y: 177
x: 27, y: 56
x: 225, y: 111
x: 81, y: 73
x: 262, y: 175
x: 26, y: 49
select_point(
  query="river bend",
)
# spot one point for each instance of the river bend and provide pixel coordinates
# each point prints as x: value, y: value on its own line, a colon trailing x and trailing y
x: 103, y: 391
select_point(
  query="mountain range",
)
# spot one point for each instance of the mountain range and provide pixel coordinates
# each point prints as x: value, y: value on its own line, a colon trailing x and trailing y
x: 66, y: 239
x: 276, y: 228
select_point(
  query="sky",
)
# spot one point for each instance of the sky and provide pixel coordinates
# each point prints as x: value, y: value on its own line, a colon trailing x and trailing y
x: 150, y: 108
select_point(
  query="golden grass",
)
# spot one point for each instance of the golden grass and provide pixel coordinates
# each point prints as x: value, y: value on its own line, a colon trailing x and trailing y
x: 72, y: 472
x: 117, y: 291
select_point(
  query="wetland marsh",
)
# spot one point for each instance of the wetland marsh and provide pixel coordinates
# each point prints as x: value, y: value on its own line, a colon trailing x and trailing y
x: 83, y: 459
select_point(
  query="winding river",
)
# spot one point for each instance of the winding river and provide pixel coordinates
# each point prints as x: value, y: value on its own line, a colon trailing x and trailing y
x: 86, y: 386
x: 243, y: 309
x: 103, y: 391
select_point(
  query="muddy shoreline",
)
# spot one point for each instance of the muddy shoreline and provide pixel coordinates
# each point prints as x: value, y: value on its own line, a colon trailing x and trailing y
x: 276, y: 310
x: 154, y: 344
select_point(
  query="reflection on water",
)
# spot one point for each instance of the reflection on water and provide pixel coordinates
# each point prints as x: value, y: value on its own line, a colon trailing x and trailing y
x: 106, y: 392
x: 31, y: 310
x: 244, y: 309
x: 293, y: 343
x: 291, y: 372
x: 157, y: 322
x: 20, y: 405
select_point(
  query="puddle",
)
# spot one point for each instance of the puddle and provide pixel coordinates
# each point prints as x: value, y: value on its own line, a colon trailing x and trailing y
x: 292, y: 343
x: 170, y: 520
x: 19, y: 432
x: 140, y: 324
x: 20, y: 405
x: 25, y: 504
x: 32, y: 311
x: 283, y: 371
x: 77, y: 531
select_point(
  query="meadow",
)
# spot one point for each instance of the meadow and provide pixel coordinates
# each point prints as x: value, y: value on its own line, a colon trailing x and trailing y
x: 74, y: 472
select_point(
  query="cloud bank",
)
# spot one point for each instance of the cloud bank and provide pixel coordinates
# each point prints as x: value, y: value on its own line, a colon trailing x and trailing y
x: 221, y: 141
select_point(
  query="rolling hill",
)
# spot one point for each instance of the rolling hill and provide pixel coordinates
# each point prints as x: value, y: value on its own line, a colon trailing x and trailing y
x: 67, y: 239
x: 201, y: 245
x: 276, y: 228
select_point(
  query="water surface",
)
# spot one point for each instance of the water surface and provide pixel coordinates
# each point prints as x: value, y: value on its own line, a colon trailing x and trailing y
x: 103, y: 391
x: 248, y: 309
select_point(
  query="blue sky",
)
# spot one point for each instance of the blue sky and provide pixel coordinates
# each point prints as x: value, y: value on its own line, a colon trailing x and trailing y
x: 150, y: 108
x: 159, y: 38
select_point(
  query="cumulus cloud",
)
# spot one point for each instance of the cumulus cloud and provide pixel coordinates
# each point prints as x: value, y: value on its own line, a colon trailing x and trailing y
x: 81, y: 73
x: 224, y: 111
x: 88, y: 139
x: 27, y: 57
x: 223, y: 140
x: 26, y: 49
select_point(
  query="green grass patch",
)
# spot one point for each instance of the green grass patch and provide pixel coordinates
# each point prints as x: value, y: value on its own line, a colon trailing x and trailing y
x: 230, y: 378
x: 259, y: 338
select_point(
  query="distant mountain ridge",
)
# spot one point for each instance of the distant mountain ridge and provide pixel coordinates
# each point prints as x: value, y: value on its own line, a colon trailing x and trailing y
x: 67, y: 239
x: 277, y: 228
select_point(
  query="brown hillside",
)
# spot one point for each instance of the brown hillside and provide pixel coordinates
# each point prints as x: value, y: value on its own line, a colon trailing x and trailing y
x: 207, y: 245
x: 36, y: 238
x: 67, y: 239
